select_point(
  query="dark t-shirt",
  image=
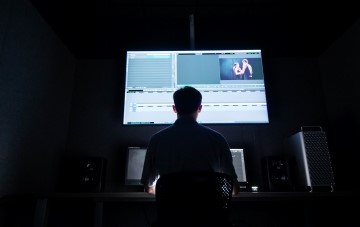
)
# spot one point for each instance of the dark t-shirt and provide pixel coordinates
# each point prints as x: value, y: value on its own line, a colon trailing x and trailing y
x: 186, y: 146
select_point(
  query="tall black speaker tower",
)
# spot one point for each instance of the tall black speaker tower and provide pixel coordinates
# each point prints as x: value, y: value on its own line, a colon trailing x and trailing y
x: 312, y: 163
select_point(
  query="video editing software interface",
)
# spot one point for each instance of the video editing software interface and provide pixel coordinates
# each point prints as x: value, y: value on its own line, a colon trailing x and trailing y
x: 136, y: 156
x: 231, y: 83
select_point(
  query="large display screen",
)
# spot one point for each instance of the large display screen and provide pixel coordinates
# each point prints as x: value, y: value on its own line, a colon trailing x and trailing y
x: 231, y: 83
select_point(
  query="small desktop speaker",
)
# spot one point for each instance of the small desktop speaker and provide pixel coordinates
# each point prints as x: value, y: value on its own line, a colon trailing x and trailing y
x: 82, y: 175
x: 312, y: 163
x: 277, y: 174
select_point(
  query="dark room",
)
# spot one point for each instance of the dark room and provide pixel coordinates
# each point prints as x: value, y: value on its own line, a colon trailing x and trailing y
x: 86, y: 84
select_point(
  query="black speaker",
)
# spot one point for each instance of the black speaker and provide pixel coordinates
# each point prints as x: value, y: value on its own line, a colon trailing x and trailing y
x: 82, y: 175
x: 312, y: 163
x: 277, y: 174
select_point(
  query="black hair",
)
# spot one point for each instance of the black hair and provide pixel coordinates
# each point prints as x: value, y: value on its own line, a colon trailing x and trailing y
x: 187, y: 100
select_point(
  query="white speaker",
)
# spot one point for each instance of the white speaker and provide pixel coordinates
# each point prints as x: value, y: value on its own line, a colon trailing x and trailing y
x: 312, y: 166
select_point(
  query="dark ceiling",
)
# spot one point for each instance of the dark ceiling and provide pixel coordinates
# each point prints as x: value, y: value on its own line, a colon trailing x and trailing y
x: 107, y: 28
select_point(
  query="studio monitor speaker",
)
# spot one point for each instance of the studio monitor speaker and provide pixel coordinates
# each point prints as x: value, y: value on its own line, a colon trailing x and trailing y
x: 277, y: 174
x: 312, y: 163
x: 82, y: 175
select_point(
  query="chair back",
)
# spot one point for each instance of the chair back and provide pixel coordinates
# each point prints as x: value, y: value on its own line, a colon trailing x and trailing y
x: 193, y: 199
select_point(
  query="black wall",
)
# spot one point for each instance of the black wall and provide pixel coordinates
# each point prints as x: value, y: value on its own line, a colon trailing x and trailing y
x: 340, y: 76
x: 36, y: 85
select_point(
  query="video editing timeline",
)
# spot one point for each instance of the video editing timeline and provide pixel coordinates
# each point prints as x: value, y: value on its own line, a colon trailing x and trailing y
x: 156, y: 107
x: 153, y: 76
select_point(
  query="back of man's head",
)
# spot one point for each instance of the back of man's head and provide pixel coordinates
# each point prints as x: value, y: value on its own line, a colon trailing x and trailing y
x: 187, y: 100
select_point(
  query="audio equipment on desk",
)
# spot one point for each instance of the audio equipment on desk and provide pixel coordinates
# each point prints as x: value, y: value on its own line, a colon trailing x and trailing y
x: 277, y: 174
x: 83, y: 175
x: 310, y: 152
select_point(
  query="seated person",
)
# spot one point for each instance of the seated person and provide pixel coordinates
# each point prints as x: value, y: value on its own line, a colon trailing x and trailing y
x: 186, y: 146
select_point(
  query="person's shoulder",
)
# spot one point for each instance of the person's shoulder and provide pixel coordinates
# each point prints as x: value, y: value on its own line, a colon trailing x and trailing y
x: 212, y: 131
x: 162, y: 132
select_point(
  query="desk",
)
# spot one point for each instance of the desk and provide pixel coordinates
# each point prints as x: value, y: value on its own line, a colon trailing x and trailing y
x: 138, y: 209
x: 242, y: 196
